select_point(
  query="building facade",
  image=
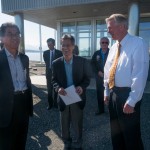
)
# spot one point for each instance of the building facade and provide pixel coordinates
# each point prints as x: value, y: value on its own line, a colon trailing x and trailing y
x: 84, y: 19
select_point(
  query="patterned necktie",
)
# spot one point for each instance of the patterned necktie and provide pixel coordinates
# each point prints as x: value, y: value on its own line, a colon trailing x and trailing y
x: 113, y: 68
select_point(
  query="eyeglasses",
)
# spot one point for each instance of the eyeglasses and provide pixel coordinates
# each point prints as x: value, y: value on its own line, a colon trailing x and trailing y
x: 104, y: 42
x: 17, y: 35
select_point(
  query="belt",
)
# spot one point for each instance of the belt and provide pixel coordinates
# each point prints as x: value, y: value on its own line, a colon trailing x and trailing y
x: 115, y: 88
x: 20, y: 92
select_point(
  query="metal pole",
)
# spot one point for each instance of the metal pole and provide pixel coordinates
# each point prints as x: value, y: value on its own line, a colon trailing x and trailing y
x: 40, y: 47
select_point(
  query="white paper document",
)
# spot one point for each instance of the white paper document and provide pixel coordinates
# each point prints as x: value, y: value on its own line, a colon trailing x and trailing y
x: 71, y: 97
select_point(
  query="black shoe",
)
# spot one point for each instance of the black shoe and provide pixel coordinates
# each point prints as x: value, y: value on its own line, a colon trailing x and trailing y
x: 99, y: 113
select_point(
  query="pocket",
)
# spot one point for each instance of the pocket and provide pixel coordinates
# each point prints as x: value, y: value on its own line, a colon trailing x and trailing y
x: 123, y: 96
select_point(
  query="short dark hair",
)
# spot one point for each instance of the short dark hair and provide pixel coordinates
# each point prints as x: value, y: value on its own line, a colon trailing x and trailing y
x: 70, y: 37
x: 51, y: 40
x: 6, y: 25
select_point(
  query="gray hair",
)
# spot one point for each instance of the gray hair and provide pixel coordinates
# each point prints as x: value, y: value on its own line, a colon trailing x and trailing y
x: 119, y: 19
x: 105, y: 38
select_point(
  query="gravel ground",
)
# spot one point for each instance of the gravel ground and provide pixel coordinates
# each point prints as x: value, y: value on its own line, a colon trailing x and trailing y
x: 44, y: 128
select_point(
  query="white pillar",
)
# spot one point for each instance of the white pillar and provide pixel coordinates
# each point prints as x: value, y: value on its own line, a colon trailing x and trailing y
x: 19, y: 20
x: 134, y: 16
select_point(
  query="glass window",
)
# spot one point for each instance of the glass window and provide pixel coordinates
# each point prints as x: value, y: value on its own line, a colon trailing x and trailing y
x: 84, y: 26
x: 145, y: 32
x: 68, y: 27
x: 81, y: 30
x: 101, y: 26
x: 101, y: 29
x: 145, y: 25
x: 84, y: 34
x: 85, y: 46
x: 84, y: 38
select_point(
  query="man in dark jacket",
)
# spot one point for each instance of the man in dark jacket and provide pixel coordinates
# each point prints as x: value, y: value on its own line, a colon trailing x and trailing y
x: 16, y: 103
x: 67, y: 71
x: 49, y: 56
x: 98, y: 62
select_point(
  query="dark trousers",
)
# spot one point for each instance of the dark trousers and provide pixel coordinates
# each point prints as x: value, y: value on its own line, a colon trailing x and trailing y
x: 72, y: 116
x: 52, y: 95
x: 14, y: 136
x: 125, y: 128
x: 100, y: 93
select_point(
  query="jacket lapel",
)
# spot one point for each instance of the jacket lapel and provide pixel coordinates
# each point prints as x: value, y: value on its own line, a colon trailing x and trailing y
x: 24, y: 64
x: 22, y: 61
x: 63, y: 72
x: 48, y: 58
x: 74, y: 69
x: 55, y: 55
x: 6, y: 69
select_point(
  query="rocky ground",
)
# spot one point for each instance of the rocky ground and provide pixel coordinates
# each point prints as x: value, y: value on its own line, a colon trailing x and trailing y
x: 44, y: 128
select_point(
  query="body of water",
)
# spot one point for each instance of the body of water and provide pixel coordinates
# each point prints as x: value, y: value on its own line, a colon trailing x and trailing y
x: 35, y: 56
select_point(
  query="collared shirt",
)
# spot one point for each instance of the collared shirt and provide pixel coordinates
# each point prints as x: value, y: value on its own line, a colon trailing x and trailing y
x: 132, y: 68
x: 52, y: 53
x: 17, y: 72
x: 103, y: 54
x: 68, y: 69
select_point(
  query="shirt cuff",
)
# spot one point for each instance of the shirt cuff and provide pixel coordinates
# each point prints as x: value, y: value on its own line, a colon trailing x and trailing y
x: 106, y: 92
x: 131, y: 102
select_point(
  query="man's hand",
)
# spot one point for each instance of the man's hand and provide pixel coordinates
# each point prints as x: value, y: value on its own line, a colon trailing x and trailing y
x: 127, y: 109
x: 62, y: 91
x: 106, y: 100
x: 79, y: 90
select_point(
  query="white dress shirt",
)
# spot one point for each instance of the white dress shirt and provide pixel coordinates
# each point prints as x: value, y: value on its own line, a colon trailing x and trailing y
x: 17, y: 72
x: 52, y: 53
x: 132, y: 68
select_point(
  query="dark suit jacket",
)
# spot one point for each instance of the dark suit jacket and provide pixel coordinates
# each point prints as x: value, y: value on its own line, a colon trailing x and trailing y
x: 81, y: 77
x: 46, y: 57
x: 7, y: 89
x: 97, y: 61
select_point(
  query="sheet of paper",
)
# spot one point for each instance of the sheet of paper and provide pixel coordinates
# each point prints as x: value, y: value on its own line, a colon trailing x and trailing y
x: 71, y: 97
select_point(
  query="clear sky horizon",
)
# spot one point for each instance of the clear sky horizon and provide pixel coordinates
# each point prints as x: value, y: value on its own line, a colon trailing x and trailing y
x: 31, y: 32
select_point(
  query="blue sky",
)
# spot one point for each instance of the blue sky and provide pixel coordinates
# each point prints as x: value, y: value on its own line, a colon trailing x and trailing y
x: 31, y: 32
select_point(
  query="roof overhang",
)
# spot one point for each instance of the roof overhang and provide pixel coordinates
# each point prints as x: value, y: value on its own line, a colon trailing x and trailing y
x: 50, y: 16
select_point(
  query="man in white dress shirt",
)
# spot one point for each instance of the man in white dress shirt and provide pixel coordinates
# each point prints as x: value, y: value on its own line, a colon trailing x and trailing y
x: 124, y: 98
